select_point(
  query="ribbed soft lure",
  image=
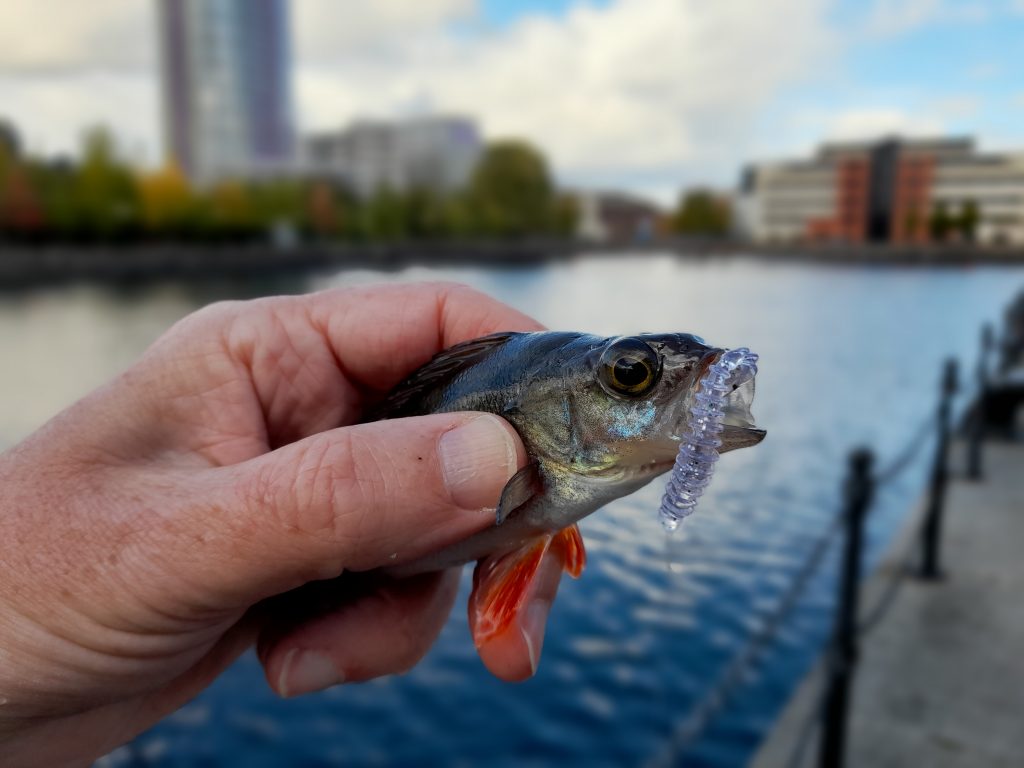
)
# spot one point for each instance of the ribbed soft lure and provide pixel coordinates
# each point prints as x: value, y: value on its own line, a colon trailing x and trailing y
x: 698, y: 448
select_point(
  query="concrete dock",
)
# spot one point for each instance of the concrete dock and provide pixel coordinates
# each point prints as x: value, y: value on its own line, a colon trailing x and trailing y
x: 940, y: 682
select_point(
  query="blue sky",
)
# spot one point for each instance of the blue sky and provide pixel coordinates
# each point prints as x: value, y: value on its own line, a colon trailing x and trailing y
x: 503, y: 12
x: 968, y: 58
x: 647, y: 95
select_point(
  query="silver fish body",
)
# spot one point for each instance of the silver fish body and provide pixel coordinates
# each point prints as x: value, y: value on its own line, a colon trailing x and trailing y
x: 600, y: 417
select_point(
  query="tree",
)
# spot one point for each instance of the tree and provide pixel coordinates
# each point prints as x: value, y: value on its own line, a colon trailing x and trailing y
x: 700, y: 212
x: 55, y: 181
x: 105, y: 192
x: 425, y: 213
x: 166, y: 201
x: 457, y: 217
x: 274, y: 203
x: 20, y: 209
x: 230, y: 210
x: 384, y: 216
x: 566, y: 214
x: 511, y: 190
x: 940, y: 222
x: 968, y: 220
x: 323, y: 211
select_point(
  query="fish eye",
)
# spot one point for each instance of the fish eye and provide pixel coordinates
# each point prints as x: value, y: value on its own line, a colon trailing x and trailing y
x: 629, y: 367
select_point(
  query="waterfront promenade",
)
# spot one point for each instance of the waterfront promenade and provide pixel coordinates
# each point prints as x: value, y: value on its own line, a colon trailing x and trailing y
x: 940, y: 680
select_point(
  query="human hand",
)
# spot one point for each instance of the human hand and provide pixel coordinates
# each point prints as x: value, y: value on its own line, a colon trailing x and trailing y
x: 161, y: 525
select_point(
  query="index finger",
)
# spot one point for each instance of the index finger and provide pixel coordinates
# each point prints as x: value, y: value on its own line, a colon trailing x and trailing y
x: 316, y: 361
x: 382, y: 333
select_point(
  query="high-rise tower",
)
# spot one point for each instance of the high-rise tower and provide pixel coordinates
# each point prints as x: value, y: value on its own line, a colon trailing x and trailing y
x: 226, y: 87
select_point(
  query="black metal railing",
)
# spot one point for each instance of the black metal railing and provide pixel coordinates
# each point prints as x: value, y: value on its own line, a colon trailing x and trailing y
x: 842, y: 654
x: 932, y: 533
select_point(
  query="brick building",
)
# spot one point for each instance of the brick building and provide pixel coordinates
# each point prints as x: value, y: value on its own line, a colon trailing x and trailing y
x: 891, y: 190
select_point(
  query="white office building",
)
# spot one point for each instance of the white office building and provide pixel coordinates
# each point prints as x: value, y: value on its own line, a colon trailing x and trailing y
x: 435, y: 153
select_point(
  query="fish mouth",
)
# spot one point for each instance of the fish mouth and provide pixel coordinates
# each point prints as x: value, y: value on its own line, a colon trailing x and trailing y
x: 738, y: 427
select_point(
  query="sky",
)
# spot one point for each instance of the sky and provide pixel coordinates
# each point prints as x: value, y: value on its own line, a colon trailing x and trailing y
x: 650, y: 96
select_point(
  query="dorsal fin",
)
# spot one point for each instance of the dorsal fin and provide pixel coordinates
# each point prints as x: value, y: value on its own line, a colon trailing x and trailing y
x: 441, y: 369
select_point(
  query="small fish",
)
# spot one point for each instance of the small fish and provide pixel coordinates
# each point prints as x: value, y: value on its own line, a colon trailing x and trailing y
x: 600, y: 417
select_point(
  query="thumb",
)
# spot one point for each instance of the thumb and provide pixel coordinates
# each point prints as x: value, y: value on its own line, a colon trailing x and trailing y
x: 358, y: 498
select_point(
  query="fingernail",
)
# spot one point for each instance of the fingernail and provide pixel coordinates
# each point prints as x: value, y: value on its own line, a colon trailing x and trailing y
x: 534, y: 619
x: 305, y: 672
x: 477, y: 459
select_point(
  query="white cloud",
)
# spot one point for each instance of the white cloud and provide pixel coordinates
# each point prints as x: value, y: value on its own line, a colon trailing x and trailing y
x: 893, y: 17
x: 326, y: 28
x: 889, y: 18
x: 871, y: 123
x: 52, y: 35
x: 48, y: 35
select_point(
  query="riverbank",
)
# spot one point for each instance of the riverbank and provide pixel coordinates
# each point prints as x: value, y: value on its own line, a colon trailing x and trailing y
x: 938, y: 682
x: 27, y: 266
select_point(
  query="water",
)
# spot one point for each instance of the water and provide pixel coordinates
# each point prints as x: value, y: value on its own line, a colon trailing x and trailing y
x: 849, y: 355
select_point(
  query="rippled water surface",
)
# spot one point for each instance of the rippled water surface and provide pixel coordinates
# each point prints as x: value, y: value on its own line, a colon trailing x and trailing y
x: 849, y: 355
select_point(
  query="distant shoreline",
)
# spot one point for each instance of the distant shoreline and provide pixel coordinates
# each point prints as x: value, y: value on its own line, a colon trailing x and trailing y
x: 31, y: 266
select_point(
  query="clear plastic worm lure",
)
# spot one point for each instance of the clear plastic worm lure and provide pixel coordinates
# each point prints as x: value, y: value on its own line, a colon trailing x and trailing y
x: 698, y: 448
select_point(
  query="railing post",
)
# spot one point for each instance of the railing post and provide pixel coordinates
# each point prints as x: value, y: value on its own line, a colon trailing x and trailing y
x: 978, y: 416
x: 1012, y: 344
x: 940, y: 475
x: 843, y: 651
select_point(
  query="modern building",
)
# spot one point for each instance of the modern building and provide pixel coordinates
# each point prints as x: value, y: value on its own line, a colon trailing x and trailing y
x: 617, y: 217
x: 890, y: 190
x: 226, y: 67
x: 437, y: 153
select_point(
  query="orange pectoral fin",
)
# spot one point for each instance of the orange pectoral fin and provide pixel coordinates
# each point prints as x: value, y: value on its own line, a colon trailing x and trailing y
x: 504, y: 626
x: 501, y: 586
x: 575, y: 557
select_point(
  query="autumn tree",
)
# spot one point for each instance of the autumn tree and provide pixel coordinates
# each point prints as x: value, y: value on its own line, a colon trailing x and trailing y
x: 21, y: 212
x: 323, y: 210
x: 166, y: 200
x: 229, y: 209
x: 20, y: 209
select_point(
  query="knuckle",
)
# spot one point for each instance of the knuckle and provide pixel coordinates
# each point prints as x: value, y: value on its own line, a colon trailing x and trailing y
x: 328, y: 490
x: 320, y: 475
